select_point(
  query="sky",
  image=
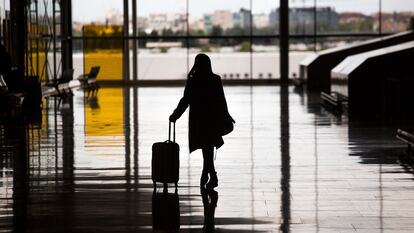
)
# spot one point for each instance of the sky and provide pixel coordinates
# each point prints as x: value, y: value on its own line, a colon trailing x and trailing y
x: 92, y: 10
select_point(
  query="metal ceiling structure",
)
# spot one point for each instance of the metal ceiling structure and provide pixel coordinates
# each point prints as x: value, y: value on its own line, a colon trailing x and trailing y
x: 48, y: 38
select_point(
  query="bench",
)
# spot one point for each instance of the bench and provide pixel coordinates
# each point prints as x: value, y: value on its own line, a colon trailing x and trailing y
x: 3, y: 85
x: 298, y: 83
x: 9, y: 102
x: 335, y: 100
x: 406, y: 136
x: 63, y: 87
x: 88, y: 80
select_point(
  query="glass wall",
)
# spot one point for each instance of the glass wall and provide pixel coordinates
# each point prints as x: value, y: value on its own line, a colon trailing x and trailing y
x: 44, y: 40
x: 4, y: 7
x: 2, y: 17
x: 265, y: 45
x: 102, y: 43
x: 241, y: 36
x: 162, y: 53
x: 396, y: 15
x: 214, y: 18
x: 105, y: 52
x: 347, y: 16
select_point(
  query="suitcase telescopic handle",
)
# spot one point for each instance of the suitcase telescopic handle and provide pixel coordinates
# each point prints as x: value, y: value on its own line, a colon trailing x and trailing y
x: 169, y: 131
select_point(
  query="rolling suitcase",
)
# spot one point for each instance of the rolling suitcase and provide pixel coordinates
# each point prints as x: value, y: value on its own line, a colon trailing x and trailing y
x: 165, y: 161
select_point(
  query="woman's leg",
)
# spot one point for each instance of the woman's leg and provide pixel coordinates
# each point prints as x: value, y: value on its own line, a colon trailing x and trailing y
x: 208, y: 162
x: 208, y: 155
x: 208, y: 165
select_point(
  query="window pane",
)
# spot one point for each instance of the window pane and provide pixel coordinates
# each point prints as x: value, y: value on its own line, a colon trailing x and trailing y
x: 265, y: 17
x: 77, y: 57
x: 42, y: 54
x: 333, y: 42
x: 396, y: 15
x: 105, y: 52
x: 2, y: 11
x: 162, y: 59
x: 350, y: 16
x: 265, y: 59
x: 302, y: 17
x: 162, y: 17
x: 97, y: 51
x: 109, y: 12
x: 217, y: 17
x: 299, y: 49
x: 230, y: 58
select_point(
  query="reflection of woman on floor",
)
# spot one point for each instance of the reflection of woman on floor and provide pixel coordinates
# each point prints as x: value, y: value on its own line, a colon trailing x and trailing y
x: 209, y: 119
x: 210, y: 198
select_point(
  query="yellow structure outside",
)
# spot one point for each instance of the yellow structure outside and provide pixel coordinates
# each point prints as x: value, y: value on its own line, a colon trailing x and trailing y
x: 103, y: 47
x: 109, y: 61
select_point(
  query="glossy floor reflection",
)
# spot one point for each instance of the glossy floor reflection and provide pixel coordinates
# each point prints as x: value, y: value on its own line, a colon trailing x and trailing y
x: 289, y: 166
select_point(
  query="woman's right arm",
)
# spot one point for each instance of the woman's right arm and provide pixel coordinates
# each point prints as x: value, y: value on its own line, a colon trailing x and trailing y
x: 184, y: 102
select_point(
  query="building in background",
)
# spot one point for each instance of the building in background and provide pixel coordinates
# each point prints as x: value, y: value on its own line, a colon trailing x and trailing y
x: 392, y: 21
x: 157, y: 22
x: 179, y: 22
x: 260, y: 20
x: 242, y: 18
x: 196, y: 23
x: 142, y: 24
x: 302, y: 19
x: 222, y: 18
x: 208, y: 22
x: 355, y: 22
x: 327, y: 19
x: 114, y: 17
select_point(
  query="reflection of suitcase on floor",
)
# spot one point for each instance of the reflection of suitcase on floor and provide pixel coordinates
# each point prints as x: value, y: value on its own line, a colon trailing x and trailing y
x: 166, y: 161
x: 165, y: 212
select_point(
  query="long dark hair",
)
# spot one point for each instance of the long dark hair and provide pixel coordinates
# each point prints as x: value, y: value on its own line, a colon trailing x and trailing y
x: 201, y: 67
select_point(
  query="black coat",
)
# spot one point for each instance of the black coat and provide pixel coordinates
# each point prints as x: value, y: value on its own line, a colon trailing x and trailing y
x: 207, y: 102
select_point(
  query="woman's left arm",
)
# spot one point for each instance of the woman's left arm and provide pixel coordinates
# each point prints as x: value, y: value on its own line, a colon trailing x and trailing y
x: 222, y: 98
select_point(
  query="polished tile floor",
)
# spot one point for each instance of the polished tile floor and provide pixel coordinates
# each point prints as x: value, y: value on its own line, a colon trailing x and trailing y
x: 289, y: 166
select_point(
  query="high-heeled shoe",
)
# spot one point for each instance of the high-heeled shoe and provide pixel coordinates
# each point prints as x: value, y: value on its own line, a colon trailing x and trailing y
x: 203, y: 179
x: 213, y: 182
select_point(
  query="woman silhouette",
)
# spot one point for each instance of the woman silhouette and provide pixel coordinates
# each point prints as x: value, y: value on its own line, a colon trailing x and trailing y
x: 209, y: 119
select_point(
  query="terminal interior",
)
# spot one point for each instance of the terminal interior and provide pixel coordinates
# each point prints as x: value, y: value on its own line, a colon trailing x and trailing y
x: 321, y: 92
